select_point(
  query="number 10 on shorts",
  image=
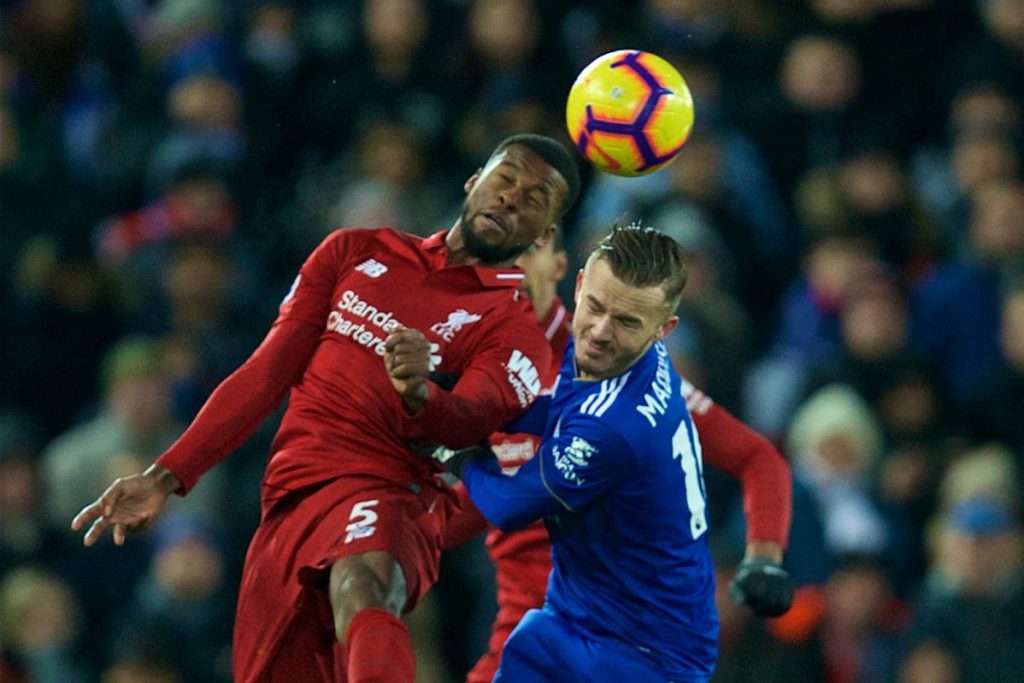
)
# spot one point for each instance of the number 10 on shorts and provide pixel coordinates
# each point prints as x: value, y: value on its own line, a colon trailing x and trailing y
x: 362, y: 521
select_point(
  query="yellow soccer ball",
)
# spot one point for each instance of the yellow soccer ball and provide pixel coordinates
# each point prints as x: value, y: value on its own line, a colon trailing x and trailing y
x: 629, y: 112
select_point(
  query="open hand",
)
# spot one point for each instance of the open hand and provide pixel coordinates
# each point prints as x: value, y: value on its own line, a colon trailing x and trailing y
x: 128, y: 505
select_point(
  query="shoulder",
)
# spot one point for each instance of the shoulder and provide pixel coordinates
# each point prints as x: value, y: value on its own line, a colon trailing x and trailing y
x: 588, y: 434
x: 697, y: 402
x: 370, y: 237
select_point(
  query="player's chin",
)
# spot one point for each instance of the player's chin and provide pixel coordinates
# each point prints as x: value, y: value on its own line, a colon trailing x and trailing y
x: 489, y: 230
x: 598, y: 366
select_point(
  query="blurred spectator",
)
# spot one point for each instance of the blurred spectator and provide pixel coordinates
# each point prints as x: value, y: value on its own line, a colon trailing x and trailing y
x: 392, y: 72
x: 995, y: 413
x: 187, y: 38
x: 389, y: 185
x: 513, y: 79
x: 972, y: 603
x: 714, y: 327
x: 956, y: 305
x: 929, y: 662
x: 181, y: 602
x: 808, y: 333
x: 134, y: 425
x: 834, y: 442
x: 815, y: 114
x: 61, y: 300
x: 40, y: 622
x: 989, y: 471
x: 995, y: 51
x: 132, y: 669
x: 24, y: 534
x: 869, y: 194
x: 976, y: 148
x: 196, y: 203
x: 861, y: 623
x: 203, y: 125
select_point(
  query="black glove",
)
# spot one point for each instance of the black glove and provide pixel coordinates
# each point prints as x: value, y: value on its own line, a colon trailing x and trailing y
x: 764, y: 586
x: 455, y: 461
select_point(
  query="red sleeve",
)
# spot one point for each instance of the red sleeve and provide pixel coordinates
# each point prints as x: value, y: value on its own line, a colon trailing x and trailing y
x: 237, y: 407
x: 764, y: 475
x: 498, y: 385
x: 242, y: 401
x: 465, y: 524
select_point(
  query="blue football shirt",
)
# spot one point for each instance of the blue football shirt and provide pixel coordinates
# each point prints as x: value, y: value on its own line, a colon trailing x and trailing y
x: 619, y: 481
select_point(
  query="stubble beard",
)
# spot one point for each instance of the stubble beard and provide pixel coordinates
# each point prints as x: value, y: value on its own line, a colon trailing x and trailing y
x: 489, y: 254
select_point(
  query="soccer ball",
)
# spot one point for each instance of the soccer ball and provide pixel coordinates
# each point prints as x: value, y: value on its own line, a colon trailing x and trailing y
x: 629, y: 112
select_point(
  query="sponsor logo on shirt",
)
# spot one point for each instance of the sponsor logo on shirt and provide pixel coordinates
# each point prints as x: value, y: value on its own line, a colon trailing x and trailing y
x: 697, y: 402
x: 372, y: 268
x: 512, y: 454
x: 368, y: 325
x: 574, y: 458
x: 456, y: 320
x: 523, y: 377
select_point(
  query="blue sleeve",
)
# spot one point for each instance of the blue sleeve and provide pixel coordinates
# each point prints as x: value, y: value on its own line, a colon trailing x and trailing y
x: 569, y: 471
x: 534, y: 420
x: 509, y: 502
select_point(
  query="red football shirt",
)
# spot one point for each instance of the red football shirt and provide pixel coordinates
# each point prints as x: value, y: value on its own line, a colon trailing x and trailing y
x: 529, y: 549
x: 327, y: 346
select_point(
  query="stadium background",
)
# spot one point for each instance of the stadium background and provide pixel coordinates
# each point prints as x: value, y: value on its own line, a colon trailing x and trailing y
x: 851, y: 199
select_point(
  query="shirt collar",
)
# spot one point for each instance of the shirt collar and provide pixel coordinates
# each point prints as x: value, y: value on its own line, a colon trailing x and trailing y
x: 487, y: 275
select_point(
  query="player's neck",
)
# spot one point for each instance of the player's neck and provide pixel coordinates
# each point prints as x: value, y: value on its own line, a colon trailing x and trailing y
x: 542, y: 302
x: 459, y: 255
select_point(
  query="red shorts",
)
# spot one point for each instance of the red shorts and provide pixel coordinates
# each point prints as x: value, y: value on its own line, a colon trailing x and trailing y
x: 284, y: 628
x: 521, y: 587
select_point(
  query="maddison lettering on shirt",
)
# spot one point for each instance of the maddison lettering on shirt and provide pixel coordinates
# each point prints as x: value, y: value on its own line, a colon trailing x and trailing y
x: 656, y: 400
x: 358, y: 309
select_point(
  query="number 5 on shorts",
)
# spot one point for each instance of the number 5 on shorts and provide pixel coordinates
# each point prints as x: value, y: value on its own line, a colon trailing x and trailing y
x: 362, y: 521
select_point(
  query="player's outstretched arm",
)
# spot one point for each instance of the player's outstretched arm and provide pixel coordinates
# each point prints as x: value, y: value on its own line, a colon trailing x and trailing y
x: 128, y: 505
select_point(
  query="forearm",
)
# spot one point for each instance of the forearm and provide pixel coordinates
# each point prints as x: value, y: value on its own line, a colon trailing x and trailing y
x: 241, y: 402
x: 764, y: 550
x: 509, y: 503
x: 475, y: 409
x: 763, y: 474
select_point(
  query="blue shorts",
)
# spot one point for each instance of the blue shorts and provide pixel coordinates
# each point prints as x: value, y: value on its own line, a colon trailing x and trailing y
x: 544, y: 647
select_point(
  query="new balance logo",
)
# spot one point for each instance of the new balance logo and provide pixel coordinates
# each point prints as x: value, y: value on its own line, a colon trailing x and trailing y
x: 456, y: 320
x: 372, y: 268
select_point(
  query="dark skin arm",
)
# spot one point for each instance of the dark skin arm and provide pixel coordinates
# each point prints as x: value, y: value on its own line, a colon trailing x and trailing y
x: 407, y: 362
x: 128, y: 505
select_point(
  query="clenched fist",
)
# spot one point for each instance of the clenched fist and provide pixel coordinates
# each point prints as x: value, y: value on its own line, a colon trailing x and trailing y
x: 407, y: 362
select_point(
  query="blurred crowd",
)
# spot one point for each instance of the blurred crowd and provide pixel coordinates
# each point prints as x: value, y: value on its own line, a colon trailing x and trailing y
x: 852, y: 201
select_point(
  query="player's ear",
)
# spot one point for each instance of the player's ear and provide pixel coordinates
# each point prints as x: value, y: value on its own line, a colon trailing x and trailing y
x: 666, y: 328
x: 561, y: 266
x: 579, y: 285
x: 472, y: 180
x: 542, y: 240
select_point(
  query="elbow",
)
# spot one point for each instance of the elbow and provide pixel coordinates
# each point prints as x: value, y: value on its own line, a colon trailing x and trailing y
x: 505, y: 517
x: 510, y: 522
